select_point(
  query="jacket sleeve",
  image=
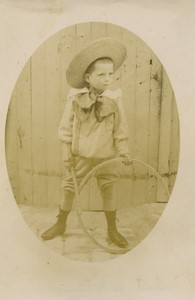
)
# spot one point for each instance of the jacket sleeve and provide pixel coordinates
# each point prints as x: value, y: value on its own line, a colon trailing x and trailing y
x: 120, y: 130
x: 65, y: 130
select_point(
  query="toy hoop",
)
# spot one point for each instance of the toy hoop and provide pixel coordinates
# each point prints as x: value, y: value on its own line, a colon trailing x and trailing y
x: 79, y: 188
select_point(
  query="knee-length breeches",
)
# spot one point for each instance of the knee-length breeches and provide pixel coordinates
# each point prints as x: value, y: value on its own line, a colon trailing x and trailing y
x: 105, y: 175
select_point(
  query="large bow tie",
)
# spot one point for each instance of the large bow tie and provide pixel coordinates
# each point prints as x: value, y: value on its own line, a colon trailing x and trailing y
x: 103, y: 105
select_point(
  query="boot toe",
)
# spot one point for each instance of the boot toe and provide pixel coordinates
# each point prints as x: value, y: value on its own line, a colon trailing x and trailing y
x: 118, y: 239
x: 52, y: 232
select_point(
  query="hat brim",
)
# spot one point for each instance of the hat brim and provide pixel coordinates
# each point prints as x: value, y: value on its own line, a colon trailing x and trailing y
x: 105, y: 47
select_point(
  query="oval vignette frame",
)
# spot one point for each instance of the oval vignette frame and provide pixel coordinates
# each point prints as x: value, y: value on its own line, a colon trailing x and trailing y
x: 34, y: 156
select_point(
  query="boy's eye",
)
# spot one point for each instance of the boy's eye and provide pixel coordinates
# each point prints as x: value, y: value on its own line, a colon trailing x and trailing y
x: 102, y: 74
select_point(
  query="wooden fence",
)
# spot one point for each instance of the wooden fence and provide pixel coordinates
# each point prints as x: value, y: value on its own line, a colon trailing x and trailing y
x: 33, y: 151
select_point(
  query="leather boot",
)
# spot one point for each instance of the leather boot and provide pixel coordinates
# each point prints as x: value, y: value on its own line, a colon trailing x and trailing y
x: 113, y: 233
x: 58, y: 228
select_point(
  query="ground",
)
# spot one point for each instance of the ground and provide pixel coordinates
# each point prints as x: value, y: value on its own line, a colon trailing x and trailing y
x: 134, y: 223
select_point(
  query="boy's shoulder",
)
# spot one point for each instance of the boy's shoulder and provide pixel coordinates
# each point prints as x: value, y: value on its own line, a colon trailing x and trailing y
x: 73, y: 92
x: 112, y: 94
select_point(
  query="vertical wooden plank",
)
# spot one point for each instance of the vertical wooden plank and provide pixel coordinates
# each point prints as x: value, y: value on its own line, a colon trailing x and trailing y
x: 141, y: 119
x: 11, y: 144
x: 174, y: 155
x: 52, y: 114
x: 165, y: 137
x: 98, y: 30
x: 24, y: 115
x: 67, y: 49
x: 83, y: 37
x: 115, y: 32
x: 154, y: 125
x: 128, y: 85
x: 39, y: 149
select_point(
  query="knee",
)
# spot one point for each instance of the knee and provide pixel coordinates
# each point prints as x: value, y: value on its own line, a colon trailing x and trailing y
x: 107, y: 181
x: 107, y: 191
x: 67, y: 186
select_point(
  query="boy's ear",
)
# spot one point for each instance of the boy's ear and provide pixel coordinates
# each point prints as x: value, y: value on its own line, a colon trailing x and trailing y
x: 86, y: 77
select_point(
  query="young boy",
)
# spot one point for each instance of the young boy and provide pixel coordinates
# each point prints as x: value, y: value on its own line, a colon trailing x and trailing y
x: 92, y: 129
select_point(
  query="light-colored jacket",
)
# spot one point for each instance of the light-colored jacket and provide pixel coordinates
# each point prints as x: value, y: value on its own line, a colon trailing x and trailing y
x: 82, y: 134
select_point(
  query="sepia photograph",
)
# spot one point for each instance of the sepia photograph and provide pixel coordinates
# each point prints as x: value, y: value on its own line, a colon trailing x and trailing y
x: 97, y: 150
x: 92, y: 141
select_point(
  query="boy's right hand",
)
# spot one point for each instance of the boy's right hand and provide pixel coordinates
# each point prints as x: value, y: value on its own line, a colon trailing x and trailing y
x: 69, y: 163
x: 127, y: 159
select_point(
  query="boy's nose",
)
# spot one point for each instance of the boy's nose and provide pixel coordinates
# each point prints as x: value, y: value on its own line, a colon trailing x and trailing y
x: 107, y: 79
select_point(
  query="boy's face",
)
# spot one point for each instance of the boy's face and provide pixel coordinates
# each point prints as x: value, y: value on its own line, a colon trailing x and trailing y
x: 101, y: 76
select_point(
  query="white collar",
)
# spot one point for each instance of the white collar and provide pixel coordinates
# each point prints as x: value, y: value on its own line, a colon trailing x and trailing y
x: 109, y: 93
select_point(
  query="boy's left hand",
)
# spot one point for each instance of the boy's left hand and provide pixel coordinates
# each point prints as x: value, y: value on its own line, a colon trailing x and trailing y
x: 127, y: 159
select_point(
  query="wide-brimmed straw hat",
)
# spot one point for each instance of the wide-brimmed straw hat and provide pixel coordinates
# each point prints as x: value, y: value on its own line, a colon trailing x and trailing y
x: 104, y: 47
